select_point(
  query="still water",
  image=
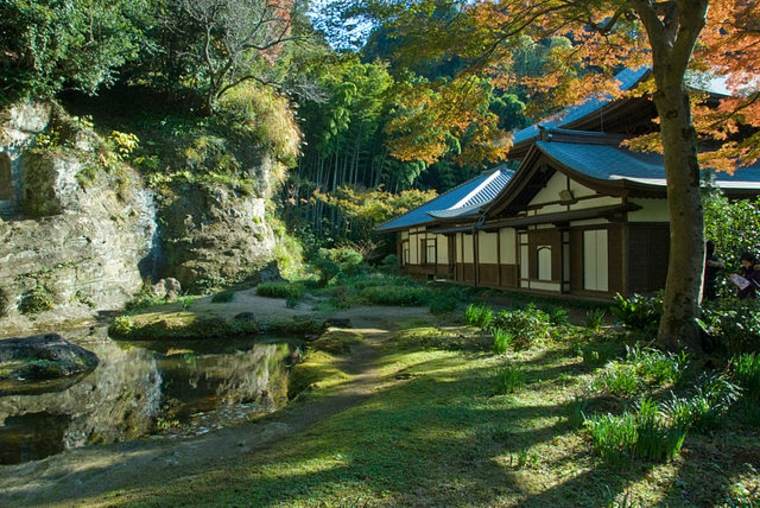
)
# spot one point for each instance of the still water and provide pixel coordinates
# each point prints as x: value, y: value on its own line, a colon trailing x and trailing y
x: 171, y: 389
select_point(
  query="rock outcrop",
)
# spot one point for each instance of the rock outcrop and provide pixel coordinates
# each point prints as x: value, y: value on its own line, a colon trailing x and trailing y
x: 76, y: 234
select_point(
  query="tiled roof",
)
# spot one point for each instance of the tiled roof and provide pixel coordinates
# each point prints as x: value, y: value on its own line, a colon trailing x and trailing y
x: 628, y: 79
x: 610, y: 162
x: 462, y: 200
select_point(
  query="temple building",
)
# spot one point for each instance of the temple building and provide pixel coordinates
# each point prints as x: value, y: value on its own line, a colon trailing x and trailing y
x: 581, y: 216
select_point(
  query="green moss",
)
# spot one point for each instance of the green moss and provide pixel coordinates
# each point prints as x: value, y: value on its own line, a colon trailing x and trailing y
x: 36, y: 300
x: 338, y: 342
x: 180, y: 325
x: 317, y: 371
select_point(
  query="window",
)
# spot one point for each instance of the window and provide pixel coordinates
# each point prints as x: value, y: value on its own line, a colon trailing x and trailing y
x: 595, y: 260
x: 524, y: 266
x: 430, y: 251
x: 544, y: 254
x: 405, y: 253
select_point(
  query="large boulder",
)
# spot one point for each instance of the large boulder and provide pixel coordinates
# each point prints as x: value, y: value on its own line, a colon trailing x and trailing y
x: 42, y: 363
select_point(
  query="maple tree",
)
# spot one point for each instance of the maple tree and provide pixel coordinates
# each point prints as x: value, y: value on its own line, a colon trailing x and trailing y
x: 678, y: 39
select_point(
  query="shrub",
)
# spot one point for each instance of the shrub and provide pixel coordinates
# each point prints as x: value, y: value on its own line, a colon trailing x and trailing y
x: 280, y: 290
x: 501, y: 341
x: 733, y: 324
x: 527, y: 326
x: 442, y: 303
x: 341, y: 261
x: 478, y: 315
x: 747, y: 373
x: 509, y: 380
x: 559, y: 316
x: 396, y: 295
x: 36, y: 300
x: 595, y: 318
x: 223, y: 297
x: 639, y: 313
x: 390, y: 264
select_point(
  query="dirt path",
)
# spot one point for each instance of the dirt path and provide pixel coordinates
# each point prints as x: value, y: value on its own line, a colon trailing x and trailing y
x: 87, y: 473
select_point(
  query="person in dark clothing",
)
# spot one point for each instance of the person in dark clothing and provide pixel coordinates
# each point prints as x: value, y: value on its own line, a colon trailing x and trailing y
x: 713, y: 267
x: 750, y: 270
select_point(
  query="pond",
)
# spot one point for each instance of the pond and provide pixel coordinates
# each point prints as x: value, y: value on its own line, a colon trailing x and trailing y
x: 171, y: 389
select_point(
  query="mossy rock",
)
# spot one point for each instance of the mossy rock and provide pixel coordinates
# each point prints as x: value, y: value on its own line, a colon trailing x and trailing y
x: 337, y: 342
x: 42, y: 363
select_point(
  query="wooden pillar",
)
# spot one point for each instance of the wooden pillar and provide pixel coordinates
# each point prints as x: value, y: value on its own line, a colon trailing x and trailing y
x: 498, y: 257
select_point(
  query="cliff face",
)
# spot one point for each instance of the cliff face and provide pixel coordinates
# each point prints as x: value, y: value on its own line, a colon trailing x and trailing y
x: 75, y: 236
x: 81, y: 230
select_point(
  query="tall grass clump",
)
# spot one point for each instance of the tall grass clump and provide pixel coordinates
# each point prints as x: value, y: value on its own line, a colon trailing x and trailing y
x: 595, y: 319
x: 648, y: 433
x: 502, y: 339
x: 612, y: 437
x: 705, y: 409
x: 659, y: 438
x: 747, y: 374
x: 658, y: 366
x: 478, y: 315
x: 509, y: 380
x: 618, y: 378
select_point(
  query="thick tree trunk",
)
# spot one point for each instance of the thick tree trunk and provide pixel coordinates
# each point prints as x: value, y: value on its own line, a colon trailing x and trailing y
x: 678, y: 327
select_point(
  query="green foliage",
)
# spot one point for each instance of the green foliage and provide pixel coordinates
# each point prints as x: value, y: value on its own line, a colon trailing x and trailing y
x: 509, y: 380
x: 341, y: 261
x: 223, y: 297
x: 746, y: 369
x: 658, y: 439
x: 478, y: 315
x: 639, y: 313
x: 36, y: 300
x: 705, y: 409
x: 443, y: 303
x: 559, y: 316
x: 288, y: 290
x: 396, y: 295
x: 613, y: 437
x: 734, y: 226
x: 641, y: 367
x: 656, y: 366
x: 733, y: 324
x: 595, y: 319
x: 619, y: 378
x: 501, y: 341
x: 648, y: 433
x: 527, y: 326
x: 78, y: 44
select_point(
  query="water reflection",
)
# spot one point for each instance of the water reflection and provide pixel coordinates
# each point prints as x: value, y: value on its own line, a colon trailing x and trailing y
x: 143, y: 388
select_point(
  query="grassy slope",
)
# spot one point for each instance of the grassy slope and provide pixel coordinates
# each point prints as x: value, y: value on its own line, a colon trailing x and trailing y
x: 440, y: 437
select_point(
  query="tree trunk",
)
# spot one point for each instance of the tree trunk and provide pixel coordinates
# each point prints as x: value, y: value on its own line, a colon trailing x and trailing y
x: 678, y: 327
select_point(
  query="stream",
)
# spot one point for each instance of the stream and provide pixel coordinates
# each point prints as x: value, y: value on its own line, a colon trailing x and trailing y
x: 164, y: 389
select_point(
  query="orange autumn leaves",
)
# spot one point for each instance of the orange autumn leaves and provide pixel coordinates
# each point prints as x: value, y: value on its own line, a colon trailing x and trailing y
x: 603, y: 36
